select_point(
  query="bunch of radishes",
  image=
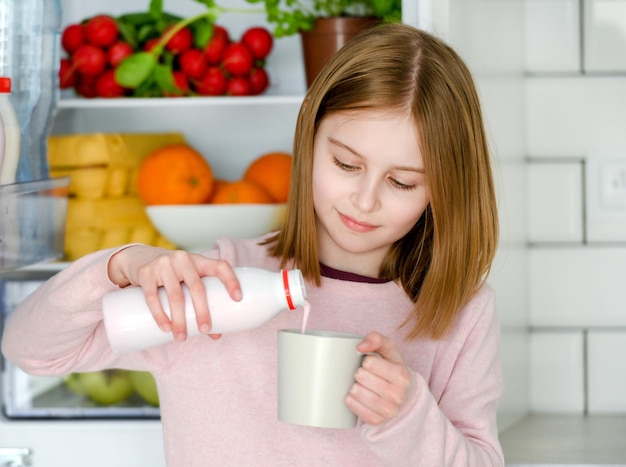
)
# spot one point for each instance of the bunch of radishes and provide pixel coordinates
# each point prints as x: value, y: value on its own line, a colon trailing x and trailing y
x: 138, y: 55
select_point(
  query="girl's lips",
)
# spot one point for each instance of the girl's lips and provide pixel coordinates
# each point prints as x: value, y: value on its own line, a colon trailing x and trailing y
x: 355, y: 225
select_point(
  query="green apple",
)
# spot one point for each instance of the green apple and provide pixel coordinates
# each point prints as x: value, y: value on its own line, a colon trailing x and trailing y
x: 72, y: 382
x: 107, y: 387
x: 146, y: 387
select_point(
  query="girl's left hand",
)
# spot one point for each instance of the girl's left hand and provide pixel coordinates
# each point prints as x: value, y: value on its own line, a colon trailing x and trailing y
x: 381, y: 383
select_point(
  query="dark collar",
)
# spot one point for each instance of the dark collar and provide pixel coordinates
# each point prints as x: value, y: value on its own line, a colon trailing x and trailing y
x: 331, y: 273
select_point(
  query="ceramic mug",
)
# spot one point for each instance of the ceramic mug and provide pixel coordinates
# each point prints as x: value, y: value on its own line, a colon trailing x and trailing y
x: 315, y: 373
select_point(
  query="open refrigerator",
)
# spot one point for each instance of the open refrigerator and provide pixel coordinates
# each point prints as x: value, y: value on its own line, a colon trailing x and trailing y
x: 74, y: 396
x: 41, y: 414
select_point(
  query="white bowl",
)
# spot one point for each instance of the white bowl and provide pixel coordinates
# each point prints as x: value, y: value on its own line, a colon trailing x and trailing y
x: 196, y: 227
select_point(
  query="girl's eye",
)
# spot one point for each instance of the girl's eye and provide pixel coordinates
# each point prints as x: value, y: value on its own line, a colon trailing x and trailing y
x: 401, y: 186
x: 343, y: 166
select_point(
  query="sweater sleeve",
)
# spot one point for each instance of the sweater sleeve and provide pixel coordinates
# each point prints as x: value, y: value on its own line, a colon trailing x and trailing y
x: 58, y: 328
x: 457, y: 426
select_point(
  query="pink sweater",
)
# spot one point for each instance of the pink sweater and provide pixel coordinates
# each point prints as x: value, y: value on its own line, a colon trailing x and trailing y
x: 218, y: 398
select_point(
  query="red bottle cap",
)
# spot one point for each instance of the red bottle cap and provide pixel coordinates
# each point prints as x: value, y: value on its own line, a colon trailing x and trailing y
x: 287, y: 291
x: 5, y: 84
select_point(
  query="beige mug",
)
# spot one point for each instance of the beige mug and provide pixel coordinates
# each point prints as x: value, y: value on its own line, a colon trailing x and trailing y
x: 315, y: 373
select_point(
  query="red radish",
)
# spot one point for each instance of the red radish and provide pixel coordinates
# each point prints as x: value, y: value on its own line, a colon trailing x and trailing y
x: 118, y: 52
x: 237, y: 59
x: 73, y: 37
x: 89, y: 59
x: 151, y: 44
x: 67, y: 75
x: 181, y: 82
x: 101, y: 30
x: 193, y: 63
x: 259, y: 80
x: 214, y: 50
x: 259, y: 41
x: 213, y: 83
x: 106, y: 86
x: 180, y: 41
x: 220, y: 31
x: 238, y: 86
x: 86, y: 85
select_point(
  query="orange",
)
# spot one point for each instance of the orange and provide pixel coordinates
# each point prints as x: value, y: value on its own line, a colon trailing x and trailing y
x: 271, y: 171
x: 218, y: 184
x: 240, y: 191
x: 175, y: 174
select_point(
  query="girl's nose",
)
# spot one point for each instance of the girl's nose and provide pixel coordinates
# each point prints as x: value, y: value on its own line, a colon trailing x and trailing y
x: 367, y: 195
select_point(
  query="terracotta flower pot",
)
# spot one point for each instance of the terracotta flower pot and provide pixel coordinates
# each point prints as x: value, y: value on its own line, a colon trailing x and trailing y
x: 327, y: 37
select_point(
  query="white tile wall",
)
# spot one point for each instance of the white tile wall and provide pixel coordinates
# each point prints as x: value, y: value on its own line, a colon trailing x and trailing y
x: 488, y: 34
x: 555, y: 193
x: 576, y: 281
x: 577, y: 286
x: 552, y: 36
x: 575, y: 116
x: 607, y: 370
x: 557, y: 372
x: 605, y: 35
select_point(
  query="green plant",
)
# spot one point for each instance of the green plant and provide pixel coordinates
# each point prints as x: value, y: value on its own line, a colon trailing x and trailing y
x: 146, y: 70
x: 291, y: 16
x: 143, y: 69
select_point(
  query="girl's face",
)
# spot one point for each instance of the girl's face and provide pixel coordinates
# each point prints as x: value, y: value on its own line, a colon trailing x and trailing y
x: 369, y: 187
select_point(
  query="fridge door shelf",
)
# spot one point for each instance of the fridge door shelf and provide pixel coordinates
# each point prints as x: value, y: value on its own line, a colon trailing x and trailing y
x: 32, y: 221
x: 26, y: 396
x: 36, y: 397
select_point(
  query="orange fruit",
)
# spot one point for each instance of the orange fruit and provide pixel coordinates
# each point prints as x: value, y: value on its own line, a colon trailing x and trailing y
x: 175, y: 174
x: 240, y: 191
x: 271, y: 171
x: 218, y: 184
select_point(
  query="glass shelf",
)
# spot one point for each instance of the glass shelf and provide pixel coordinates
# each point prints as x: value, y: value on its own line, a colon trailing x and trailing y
x: 32, y: 222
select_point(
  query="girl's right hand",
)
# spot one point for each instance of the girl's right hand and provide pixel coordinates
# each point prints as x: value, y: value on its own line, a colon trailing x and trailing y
x: 151, y: 267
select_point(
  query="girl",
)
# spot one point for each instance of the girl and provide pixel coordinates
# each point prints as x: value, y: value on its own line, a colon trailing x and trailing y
x: 391, y: 218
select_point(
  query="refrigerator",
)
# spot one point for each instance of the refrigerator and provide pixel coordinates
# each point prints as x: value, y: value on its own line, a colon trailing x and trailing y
x: 44, y: 423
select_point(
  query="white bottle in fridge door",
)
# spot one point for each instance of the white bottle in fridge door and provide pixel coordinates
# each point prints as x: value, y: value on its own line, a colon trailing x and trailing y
x: 130, y: 326
x: 11, y: 133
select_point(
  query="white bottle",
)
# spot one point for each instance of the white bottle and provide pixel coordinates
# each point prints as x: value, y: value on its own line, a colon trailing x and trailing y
x: 130, y: 326
x: 11, y: 127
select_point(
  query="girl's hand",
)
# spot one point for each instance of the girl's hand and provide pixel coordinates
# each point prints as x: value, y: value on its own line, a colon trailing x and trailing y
x: 381, y: 383
x: 151, y: 268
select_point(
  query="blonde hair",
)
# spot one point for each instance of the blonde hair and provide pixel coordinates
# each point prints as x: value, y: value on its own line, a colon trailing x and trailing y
x: 447, y: 255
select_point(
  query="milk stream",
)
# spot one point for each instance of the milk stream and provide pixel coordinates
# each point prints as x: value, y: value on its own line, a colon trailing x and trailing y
x: 305, y: 316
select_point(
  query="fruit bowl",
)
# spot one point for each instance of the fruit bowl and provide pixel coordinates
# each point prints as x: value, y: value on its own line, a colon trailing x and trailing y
x: 196, y: 227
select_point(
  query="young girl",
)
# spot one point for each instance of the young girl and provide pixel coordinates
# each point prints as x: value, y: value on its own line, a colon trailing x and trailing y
x: 392, y: 220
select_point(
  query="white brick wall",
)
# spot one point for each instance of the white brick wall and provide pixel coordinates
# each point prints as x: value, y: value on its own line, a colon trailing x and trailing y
x: 576, y: 128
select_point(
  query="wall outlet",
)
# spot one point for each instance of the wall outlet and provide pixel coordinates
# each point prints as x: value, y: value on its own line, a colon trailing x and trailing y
x: 605, y: 198
x: 613, y: 183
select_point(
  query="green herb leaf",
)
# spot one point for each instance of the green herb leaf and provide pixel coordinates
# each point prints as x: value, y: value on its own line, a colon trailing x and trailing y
x: 165, y: 79
x: 146, y: 32
x: 136, y: 19
x: 172, y: 18
x: 388, y: 9
x: 207, y: 3
x: 202, y: 31
x: 128, y: 32
x: 135, y: 69
x: 148, y: 88
x: 156, y: 9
